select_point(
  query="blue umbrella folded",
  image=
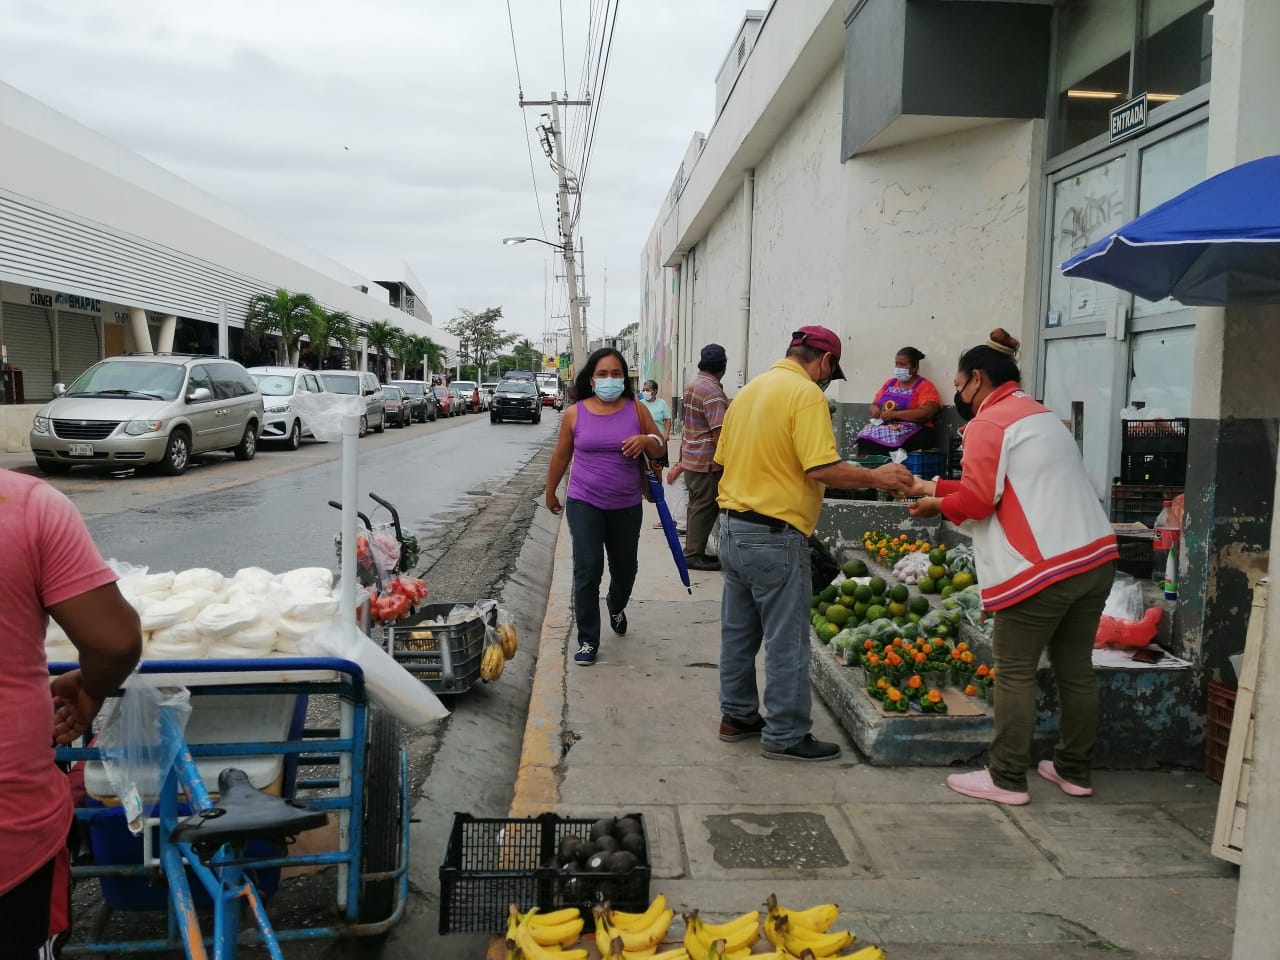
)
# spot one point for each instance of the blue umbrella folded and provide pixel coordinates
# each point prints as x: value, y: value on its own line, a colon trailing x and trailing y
x: 1214, y: 244
x: 668, y: 525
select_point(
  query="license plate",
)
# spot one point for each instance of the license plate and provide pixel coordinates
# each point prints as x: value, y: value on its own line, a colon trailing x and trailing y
x: 80, y: 449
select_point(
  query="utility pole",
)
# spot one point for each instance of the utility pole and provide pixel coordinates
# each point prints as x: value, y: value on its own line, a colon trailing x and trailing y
x: 577, y: 326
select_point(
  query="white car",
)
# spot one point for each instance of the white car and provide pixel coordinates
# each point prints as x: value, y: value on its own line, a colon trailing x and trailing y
x: 278, y: 386
x: 487, y: 390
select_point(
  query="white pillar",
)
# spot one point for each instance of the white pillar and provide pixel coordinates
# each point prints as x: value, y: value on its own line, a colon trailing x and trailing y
x: 168, y: 330
x: 141, y: 332
x: 1243, y: 126
x: 224, y: 338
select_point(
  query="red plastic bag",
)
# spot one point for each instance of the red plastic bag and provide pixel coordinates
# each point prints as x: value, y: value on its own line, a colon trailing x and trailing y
x: 1128, y: 633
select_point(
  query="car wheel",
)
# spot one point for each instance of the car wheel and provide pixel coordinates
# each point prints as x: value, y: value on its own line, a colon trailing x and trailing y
x: 382, y: 423
x: 247, y: 449
x: 537, y: 419
x: 364, y: 425
x: 295, y: 435
x: 177, y: 454
x: 493, y: 418
x: 52, y: 467
x: 435, y: 415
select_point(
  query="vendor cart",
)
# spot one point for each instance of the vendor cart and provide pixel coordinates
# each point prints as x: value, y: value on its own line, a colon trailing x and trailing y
x: 250, y: 715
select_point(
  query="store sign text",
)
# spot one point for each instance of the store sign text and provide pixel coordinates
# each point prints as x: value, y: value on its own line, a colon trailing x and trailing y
x: 1128, y: 118
x: 64, y: 301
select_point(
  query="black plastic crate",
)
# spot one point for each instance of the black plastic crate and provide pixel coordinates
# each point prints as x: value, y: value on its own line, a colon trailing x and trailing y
x: 1137, y: 555
x: 1155, y: 436
x: 492, y: 862
x: 1154, y: 468
x: 1139, y: 502
x: 955, y: 454
x: 445, y: 658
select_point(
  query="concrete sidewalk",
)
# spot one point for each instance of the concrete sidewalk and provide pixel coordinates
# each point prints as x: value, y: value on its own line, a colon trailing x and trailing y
x: 916, y: 868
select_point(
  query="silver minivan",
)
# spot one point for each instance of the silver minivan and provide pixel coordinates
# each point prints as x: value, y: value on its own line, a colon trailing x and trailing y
x: 149, y: 408
x: 355, y: 384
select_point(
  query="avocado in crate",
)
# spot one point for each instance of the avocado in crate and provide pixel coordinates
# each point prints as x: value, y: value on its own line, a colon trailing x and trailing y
x: 444, y: 656
x: 548, y: 861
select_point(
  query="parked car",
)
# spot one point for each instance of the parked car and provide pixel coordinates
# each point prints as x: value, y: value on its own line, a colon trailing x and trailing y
x: 278, y: 386
x: 444, y: 400
x: 516, y: 400
x: 135, y: 410
x: 397, y: 405
x: 422, y: 402
x: 459, y: 405
x: 354, y: 383
x: 486, y: 393
x: 470, y: 391
x: 549, y: 389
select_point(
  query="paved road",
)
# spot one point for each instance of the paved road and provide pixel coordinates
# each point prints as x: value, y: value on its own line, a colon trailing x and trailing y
x: 468, y: 489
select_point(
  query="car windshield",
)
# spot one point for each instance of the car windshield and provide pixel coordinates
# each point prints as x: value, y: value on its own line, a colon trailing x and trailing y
x: 440, y: 392
x: 465, y: 386
x: 392, y: 393
x: 273, y: 384
x: 338, y: 383
x: 410, y: 389
x: 129, y: 380
x: 490, y: 386
x: 518, y: 386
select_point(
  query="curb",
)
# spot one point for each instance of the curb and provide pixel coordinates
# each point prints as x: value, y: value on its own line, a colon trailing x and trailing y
x: 537, y: 786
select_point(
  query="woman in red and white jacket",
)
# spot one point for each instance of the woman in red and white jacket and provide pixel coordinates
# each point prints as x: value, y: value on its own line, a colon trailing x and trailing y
x: 1046, y: 553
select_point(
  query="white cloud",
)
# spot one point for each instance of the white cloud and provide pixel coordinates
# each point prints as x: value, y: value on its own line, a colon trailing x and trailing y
x: 389, y: 128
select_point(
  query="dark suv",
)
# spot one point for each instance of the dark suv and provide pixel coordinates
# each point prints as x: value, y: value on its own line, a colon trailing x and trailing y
x: 516, y: 400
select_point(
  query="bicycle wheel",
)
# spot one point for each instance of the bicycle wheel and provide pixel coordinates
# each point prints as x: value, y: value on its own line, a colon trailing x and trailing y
x: 382, y: 826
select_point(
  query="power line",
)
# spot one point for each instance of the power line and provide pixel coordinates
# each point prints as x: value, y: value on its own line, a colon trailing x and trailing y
x: 515, y: 56
x: 595, y: 113
x: 524, y: 120
x: 578, y: 130
x: 564, y: 62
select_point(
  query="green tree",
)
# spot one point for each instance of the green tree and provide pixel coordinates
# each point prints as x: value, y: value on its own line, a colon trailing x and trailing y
x: 284, y: 313
x: 526, y: 356
x: 381, y: 337
x: 480, y: 340
x: 328, y: 327
x: 411, y: 349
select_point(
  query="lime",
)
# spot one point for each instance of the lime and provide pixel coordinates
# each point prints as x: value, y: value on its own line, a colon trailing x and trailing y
x: 829, y: 593
x: 938, y: 557
x: 897, y: 610
x: 927, y: 585
x: 913, y: 617
x: 946, y: 592
x: 899, y: 594
x: 863, y: 594
x: 848, y: 588
x: 962, y: 579
x: 838, y: 615
x: 918, y: 605
x: 937, y: 571
x: 823, y: 607
x: 876, y: 612
x: 827, y: 631
x: 878, y: 586
x: 855, y: 568
x: 860, y: 610
x: 944, y: 583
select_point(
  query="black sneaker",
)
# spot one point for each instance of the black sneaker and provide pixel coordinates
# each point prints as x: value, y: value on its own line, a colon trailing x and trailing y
x: 810, y: 748
x: 618, y: 621
x: 586, y: 654
x: 732, y: 730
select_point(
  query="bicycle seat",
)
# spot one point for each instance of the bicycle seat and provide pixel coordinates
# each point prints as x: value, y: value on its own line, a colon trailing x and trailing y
x: 245, y: 813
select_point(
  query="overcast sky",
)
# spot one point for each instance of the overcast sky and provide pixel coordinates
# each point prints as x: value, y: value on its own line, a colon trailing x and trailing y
x: 389, y: 128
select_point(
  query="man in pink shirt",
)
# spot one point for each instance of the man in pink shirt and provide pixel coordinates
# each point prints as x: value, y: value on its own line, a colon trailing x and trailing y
x: 48, y: 567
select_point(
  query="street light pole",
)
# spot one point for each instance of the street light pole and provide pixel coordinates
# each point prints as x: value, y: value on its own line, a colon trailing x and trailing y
x: 577, y: 331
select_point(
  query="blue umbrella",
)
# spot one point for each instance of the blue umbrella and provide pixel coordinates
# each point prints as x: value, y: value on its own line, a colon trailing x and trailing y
x: 668, y: 524
x: 1214, y: 244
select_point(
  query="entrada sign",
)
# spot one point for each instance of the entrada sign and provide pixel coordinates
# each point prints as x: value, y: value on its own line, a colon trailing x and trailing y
x: 1127, y: 119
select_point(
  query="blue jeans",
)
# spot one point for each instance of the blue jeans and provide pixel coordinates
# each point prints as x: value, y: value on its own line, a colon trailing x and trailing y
x: 766, y: 601
x: 596, y: 532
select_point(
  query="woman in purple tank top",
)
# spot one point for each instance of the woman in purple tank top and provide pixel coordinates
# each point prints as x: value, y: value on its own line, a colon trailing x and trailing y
x: 603, y: 434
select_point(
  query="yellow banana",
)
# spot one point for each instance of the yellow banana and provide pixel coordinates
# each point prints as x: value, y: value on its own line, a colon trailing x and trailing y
x: 738, y: 934
x: 491, y: 663
x: 552, y: 919
x: 819, y: 918
x: 866, y: 953
x: 533, y: 950
x: 618, y: 952
x: 562, y: 935
x: 821, y: 944
x: 679, y: 953
x: 622, y: 920
x: 632, y: 940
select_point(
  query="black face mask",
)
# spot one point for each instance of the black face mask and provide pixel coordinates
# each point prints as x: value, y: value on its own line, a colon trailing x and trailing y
x: 964, y: 407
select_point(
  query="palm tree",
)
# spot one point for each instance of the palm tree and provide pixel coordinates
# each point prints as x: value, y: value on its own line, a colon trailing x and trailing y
x: 381, y: 336
x: 412, y: 348
x: 328, y: 327
x: 282, y: 312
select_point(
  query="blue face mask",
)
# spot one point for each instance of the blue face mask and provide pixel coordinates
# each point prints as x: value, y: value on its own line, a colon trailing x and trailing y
x: 901, y: 373
x: 609, y: 389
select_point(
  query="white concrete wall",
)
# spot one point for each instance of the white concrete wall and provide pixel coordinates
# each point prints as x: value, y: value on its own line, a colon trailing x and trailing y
x: 797, y: 254
x: 717, y: 286
x: 936, y: 250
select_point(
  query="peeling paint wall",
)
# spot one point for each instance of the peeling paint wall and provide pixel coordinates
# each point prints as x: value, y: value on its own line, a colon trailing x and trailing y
x: 936, y: 250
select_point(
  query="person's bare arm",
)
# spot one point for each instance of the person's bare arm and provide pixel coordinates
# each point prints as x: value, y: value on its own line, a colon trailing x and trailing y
x: 847, y: 476
x: 105, y: 631
x: 921, y: 414
x: 648, y: 440
x: 560, y: 458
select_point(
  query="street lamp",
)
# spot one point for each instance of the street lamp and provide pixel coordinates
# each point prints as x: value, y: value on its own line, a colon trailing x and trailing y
x: 512, y: 241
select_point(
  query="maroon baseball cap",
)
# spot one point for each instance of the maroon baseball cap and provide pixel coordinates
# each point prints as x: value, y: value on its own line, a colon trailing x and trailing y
x: 820, y: 338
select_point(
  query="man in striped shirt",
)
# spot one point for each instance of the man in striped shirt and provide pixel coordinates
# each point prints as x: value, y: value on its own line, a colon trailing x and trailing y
x: 703, y: 413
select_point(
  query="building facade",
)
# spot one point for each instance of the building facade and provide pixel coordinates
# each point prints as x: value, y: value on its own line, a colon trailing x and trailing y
x: 102, y: 252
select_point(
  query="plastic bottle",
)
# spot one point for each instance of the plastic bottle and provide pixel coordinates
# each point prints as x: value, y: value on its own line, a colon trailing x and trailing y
x: 1162, y: 544
x: 1171, y: 574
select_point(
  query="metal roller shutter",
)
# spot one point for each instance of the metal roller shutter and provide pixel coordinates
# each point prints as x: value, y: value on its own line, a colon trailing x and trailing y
x: 29, y: 343
x: 78, y: 345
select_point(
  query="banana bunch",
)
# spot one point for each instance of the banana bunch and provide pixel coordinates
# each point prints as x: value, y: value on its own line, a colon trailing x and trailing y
x: 807, y: 933
x: 738, y: 934
x: 543, y: 936
x: 632, y: 935
x: 491, y: 662
x: 507, y: 638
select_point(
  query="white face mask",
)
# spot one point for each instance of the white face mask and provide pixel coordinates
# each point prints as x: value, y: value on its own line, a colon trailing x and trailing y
x: 901, y: 373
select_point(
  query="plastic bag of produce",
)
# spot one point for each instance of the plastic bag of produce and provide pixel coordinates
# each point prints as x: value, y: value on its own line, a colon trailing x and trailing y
x: 134, y: 754
x: 308, y: 579
x: 1128, y: 633
x: 389, y: 684
x: 1125, y: 600
x: 166, y: 613
x: 199, y: 577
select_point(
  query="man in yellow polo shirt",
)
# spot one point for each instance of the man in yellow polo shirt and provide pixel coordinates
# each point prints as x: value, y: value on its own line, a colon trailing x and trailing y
x: 779, y: 454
